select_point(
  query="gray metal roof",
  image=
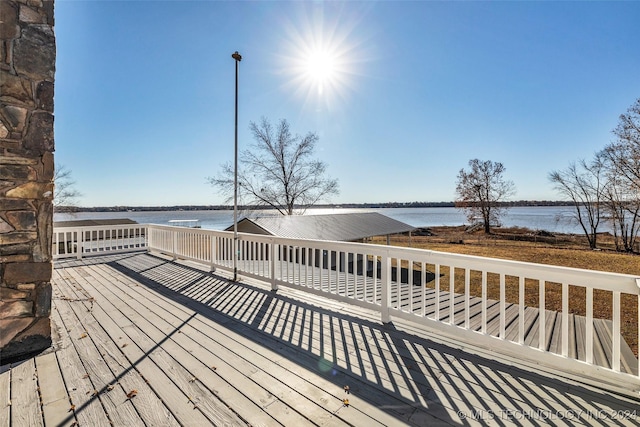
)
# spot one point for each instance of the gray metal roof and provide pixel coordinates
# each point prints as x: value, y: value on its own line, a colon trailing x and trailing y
x: 341, y: 227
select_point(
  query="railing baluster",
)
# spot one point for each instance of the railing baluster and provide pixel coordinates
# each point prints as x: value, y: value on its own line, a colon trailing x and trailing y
x: 484, y: 302
x: 307, y: 260
x: 565, y: 319
x: 375, y: 278
x: 212, y: 253
x: 80, y: 245
x: 410, y: 285
x: 386, y: 288
x: 542, y: 318
x: 452, y: 282
x: 437, y: 284
x: 503, y: 304
x: 313, y: 268
x: 467, y: 284
x: 398, y: 284
x: 589, y: 327
x: 423, y: 286
x: 615, y: 357
x: 521, y: 291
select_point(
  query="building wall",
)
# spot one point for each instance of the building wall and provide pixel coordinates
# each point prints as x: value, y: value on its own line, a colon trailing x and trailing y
x: 27, y: 68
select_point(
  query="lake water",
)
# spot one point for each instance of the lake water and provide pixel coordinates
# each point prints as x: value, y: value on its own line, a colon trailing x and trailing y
x: 550, y: 218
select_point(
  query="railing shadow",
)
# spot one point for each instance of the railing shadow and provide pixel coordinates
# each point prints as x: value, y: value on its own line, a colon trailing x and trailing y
x: 410, y: 377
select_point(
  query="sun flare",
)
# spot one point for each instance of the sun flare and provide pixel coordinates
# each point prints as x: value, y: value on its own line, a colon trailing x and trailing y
x: 322, y: 53
x: 320, y: 68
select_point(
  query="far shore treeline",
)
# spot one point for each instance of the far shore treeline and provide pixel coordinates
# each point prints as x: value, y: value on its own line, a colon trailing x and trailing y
x: 321, y: 206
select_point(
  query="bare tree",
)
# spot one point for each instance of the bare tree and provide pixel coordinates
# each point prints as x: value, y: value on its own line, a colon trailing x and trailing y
x: 480, y: 191
x: 624, y: 153
x: 622, y: 206
x: 65, y: 195
x: 278, y: 171
x: 583, y: 184
x: 622, y: 159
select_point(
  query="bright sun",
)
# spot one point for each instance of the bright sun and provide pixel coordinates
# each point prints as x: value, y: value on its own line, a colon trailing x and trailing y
x: 321, y: 54
x: 320, y: 68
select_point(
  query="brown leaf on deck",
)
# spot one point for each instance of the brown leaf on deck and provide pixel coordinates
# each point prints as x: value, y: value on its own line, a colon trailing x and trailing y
x: 72, y: 408
x: 132, y: 394
x: 84, y: 335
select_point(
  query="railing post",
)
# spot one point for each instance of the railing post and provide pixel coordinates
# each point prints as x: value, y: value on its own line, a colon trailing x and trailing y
x: 147, y: 237
x: 174, y: 245
x: 212, y: 253
x: 80, y: 246
x: 385, y: 288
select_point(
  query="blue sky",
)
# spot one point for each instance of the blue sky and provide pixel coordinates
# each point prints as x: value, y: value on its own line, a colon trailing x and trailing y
x: 410, y: 93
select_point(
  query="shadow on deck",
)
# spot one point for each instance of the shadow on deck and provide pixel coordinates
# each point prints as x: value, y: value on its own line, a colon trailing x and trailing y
x: 198, y: 348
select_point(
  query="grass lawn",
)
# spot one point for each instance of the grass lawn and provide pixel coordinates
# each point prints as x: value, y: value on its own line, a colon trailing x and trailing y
x: 520, y: 244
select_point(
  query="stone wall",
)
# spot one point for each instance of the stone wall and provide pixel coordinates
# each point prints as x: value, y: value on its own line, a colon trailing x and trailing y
x: 27, y: 67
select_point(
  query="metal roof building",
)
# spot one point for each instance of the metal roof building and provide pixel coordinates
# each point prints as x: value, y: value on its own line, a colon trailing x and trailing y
x: 349, y: 227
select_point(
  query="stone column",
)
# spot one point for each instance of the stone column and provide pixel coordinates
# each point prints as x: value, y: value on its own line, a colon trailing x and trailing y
x: 27, y: 68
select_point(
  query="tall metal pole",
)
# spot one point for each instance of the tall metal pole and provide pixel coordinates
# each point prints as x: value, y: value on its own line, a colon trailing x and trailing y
x: 237, y: 58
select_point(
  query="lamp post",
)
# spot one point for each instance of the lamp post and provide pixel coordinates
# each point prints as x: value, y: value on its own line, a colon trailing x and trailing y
x: 236, y: 56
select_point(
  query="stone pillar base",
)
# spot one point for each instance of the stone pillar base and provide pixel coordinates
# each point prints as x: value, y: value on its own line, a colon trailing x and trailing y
x: 34, y: 339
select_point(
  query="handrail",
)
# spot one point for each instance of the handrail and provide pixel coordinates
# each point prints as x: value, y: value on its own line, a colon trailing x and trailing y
x: 76, y: 242
x: 429, y: 288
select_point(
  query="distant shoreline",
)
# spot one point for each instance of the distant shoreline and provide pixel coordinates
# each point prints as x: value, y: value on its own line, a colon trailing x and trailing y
x: 528, y: 203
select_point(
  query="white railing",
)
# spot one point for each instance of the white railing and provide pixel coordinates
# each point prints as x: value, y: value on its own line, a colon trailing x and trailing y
x: 521, y: 310
x: 70, y: 242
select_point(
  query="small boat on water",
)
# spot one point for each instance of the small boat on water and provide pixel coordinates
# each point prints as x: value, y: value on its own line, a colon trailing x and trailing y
x: 188, y: 223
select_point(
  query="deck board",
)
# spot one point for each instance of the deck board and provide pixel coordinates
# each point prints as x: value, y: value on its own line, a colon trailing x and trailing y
x: 88, y: 409
x: 5, y: 407
x: 106, y: 383
x: 55, y: 401
x: 201, y: 350
x: 25, y: 401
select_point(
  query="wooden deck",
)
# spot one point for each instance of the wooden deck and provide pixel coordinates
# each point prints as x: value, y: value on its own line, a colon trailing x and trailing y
x: 142, y: 340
